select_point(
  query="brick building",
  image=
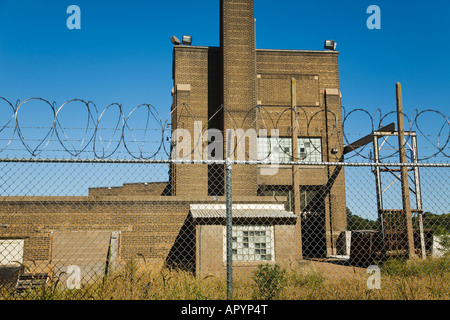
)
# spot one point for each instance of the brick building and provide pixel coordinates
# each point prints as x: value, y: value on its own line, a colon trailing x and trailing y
x: 236, y: 86
x: 181, y: 222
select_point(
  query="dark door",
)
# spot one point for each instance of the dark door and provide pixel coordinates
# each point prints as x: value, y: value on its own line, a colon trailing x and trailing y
x: 313, y: 223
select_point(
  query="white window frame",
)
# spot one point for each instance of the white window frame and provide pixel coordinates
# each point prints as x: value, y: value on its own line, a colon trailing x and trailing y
x: 280, y: 149
x: 248, y: 254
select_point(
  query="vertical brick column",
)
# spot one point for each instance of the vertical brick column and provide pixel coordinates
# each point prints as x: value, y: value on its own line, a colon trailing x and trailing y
x: 336, y: 222
x: 239, y: 76
x: 191, y: 100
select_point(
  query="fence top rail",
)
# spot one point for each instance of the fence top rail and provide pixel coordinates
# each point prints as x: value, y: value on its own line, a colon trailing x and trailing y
x: 221, y: 162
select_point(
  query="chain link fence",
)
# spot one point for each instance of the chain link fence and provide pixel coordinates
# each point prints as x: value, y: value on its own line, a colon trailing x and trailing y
x: 91, y: 213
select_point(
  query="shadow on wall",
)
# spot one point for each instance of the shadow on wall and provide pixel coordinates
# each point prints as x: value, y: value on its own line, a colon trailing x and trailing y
x: 182, y: 253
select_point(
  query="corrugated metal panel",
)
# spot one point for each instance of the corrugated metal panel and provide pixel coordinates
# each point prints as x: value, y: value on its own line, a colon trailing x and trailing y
x: 247, y: 211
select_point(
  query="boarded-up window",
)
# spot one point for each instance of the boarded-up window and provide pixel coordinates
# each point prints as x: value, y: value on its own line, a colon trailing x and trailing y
x: 11, y: 252
x: 87, y: 250
x: 275, y: 90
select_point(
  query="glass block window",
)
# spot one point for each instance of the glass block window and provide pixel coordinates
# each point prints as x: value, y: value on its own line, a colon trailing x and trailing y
x: 280, y: 149
x: 252, y: 243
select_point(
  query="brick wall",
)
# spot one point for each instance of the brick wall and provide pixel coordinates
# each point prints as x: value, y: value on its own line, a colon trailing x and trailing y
x: 148, y: 227
x: 156, y: 228
x: 317, y: 75
x: 239, y: 71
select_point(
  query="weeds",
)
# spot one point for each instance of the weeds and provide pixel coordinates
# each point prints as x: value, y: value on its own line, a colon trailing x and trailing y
x: 423, y: 280
x: 421, y: 268
x: 312, y: 279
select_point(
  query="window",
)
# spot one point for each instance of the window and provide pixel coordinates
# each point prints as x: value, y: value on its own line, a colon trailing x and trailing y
x: 311, y: 198
x: 252, y: 243
x: 280, y: 149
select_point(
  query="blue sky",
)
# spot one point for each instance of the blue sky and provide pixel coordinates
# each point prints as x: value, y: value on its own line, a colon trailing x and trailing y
x: 123, y: 51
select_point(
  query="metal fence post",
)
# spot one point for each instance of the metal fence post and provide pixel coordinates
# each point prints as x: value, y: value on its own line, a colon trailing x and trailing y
x: 229, y: 220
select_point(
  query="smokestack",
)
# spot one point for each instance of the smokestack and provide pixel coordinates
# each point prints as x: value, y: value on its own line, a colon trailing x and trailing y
x: 239, y: 57
x: 237, y: 26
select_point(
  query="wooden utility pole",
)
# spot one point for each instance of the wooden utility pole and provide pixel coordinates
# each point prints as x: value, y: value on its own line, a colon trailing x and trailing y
x: 295, y: 171
x: 404, y: 173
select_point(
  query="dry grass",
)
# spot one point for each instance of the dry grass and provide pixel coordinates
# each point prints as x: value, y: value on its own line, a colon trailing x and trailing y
x: 429, y: 280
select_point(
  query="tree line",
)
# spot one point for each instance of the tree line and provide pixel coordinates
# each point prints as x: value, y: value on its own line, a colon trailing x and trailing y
x: 439, y: 223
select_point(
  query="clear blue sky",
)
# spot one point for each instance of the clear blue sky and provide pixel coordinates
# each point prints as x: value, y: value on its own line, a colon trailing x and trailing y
x: 123, y: 51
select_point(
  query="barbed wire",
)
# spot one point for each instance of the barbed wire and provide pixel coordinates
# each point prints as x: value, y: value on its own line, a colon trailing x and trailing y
x: 102, y: 137
x: 413, y: 123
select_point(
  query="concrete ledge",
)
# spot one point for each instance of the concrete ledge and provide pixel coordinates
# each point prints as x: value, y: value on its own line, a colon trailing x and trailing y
x: 142, y: 199
x: 332, y: 92
x: 183, y: 87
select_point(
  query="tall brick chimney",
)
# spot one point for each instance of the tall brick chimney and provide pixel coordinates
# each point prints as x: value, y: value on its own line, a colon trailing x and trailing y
x: 237, y: 26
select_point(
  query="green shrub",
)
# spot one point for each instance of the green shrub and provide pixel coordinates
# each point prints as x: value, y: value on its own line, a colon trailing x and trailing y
x: 269, y: 281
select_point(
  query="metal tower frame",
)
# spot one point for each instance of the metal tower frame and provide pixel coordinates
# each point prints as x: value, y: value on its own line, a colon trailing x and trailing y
x: 416, y: 190
x: 406, y: 211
